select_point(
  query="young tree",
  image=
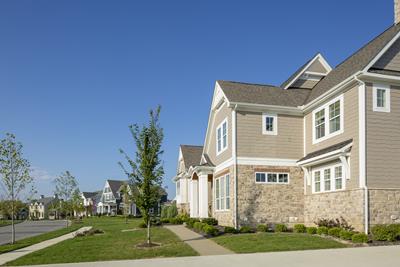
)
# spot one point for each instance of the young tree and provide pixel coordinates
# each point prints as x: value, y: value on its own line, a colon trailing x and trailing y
x: 146, y: 168
x: 14, y: 171
x: 127, y: 200
x: 66, y: 187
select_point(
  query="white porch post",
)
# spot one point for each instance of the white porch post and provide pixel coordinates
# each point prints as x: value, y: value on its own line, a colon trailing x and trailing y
x: 203, y: 196
x: 194, y: 199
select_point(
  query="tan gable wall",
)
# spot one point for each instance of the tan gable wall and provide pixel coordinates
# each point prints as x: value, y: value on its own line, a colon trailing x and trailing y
x: 350, y: 132
x: 317, y: 67
x: 288, y: 144
x: 222, y: 114
x: 383, y: 142
x: 391, y: 59
x: 307, y: 84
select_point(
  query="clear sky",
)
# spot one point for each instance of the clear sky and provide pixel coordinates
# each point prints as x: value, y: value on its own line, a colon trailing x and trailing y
x: 75, y: 74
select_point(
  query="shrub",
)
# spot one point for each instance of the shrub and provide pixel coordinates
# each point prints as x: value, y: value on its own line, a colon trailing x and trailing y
x: 198, y: 226
x: 331, y: 223
x: 176, y: 220
x: 172, y: 211
x: 279, y: 228
x: 322, y: 230
x: 311, y: 230
x: 335, y: 231
x: 165, y: 220
x: 210, y: 221
x: 230, y: 230
x: 164, y: 212
x: 184, y: 217
x: 262, y: 228
x: 191, y: 221
x: 210, y: 230
x: 245, y: 229
x: 346, y: 235
x: 359, y: 238
x: 299, y: 228
x: 142, y: 225
x: 385, y: 232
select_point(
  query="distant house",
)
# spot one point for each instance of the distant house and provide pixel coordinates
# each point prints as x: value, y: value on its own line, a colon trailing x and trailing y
x: 44, y: 208
x: 90, y: 201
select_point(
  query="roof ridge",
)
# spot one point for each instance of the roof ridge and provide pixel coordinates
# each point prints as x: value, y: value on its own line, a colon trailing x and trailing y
x: 192, y: 145
x: 260, y: 84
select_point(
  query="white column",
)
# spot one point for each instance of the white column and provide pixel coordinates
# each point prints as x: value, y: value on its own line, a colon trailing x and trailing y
x: 203, y: 196
x: 194, y: 199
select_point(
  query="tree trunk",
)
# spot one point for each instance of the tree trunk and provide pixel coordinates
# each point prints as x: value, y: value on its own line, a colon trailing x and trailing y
x: 148, y: 231
x: 12, y: 224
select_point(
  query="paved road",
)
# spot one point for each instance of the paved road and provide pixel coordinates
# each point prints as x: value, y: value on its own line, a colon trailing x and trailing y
x: 29, y: 228
x: 349, y: 257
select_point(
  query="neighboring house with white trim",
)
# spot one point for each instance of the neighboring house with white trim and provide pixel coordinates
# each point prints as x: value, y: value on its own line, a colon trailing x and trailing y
x: 323, y: 144
x: 44, y: 208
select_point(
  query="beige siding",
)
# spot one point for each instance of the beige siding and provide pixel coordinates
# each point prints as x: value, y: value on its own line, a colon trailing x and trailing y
x: 391, y: 59
x: 222, y: 114
x: 251, y: 142
x: 383, y: 142
x: 317, y: 67
x: 350, y: 132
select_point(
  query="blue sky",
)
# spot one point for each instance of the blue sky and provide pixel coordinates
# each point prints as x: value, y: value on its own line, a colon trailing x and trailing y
x: 75, y: 74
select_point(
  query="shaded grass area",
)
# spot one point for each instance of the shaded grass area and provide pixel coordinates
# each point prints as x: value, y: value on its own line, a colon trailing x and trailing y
x: 8, y: 222
x: 268, y: 242
x: 112, y: 245
x: 39, y: 238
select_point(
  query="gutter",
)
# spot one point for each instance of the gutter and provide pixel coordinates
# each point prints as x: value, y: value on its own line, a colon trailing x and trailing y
x: 235, y: 223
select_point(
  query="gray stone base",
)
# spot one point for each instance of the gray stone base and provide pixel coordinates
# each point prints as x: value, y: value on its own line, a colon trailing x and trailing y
x: 384, y: 206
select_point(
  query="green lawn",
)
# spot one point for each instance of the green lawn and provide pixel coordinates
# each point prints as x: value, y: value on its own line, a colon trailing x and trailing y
x: 112, y: 245
x: 8, y: 222
x: 39, y: 238
x: 268, y: 242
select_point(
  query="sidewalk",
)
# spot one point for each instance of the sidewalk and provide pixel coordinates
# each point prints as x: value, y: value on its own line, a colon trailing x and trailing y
x: 199, y: 243
x: 13, y: 255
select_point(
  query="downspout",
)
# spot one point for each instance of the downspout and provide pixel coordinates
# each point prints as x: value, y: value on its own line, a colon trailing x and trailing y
x: 362, y: 150
x: 234, y: 143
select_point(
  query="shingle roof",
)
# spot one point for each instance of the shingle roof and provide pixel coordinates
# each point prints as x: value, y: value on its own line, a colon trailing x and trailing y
x: 285, y: 83
x: 326, y: 150
x: 89, y: 194
x: 356, y: 62
x: 45, y: 200
x: 115, y: 185
x: 263, y: 94
x: 191, y: 155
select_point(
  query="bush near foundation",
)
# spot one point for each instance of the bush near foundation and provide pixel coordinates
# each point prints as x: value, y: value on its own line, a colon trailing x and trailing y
x: 191, y: 221
x: 198, y: 226
x: 335, y: 232
x: 246, y: 229
x: 176, y: 220
x: 279, y: 228
x: 230, y: 230
x: 389, y: 232
x: 299, y: 228
x: 359, y: 238
x: 262, y: 228
x: 210, y: 221
x: 311, y: 230
x: 346, y: 235
x: 322, y: 230
x: 210, y: 230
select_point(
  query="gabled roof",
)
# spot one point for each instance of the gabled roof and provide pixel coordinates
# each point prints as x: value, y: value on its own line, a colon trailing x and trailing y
x: 191, y: 155
x: 326, y: 150
x: 115, y: 185
x: 263, y: 94
x: 89, y: 194
x: 355, y: 63
x: 45, y: 200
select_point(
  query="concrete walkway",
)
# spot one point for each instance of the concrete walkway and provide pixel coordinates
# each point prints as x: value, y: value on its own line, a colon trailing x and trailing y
x: 388, y: 256
x: 199, y: 243
x: 13, y: 255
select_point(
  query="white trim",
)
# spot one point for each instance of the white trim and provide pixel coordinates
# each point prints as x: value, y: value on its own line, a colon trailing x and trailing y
x: 375, y: 88
x: 332, y: 179
x: 220, y: 126
x: 272, y: 183
x: 234, y: 156
x: 224, y: 165
x: 304, y: 137
x: 222, y: 198
x: 270, y: 108
x: 274, y: 116
x: 327, y: 124
x: 266, y: 161
x: 326, y: 157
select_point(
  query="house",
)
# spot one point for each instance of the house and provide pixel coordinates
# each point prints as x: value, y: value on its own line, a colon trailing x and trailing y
x: 44, y: 208
x: 110, y: 199
x: 89, y: 200
x: 323, y: 144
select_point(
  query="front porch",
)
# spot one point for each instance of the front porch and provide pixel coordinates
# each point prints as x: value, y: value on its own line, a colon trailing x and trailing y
x: 200, y: 191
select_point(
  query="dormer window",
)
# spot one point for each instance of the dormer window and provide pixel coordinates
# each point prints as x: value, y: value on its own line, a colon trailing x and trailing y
x: 328, y: 120
x: 381, y: 98
x: 222, y: 137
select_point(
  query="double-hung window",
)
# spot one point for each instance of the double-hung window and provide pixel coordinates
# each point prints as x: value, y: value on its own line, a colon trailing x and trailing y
x: 222, y: 193
x: 272, y: 178
x: 328, y: 178
x: 270, y: 124
x: 381, y: 97
x: 222, y: 136
x: 328, y: 120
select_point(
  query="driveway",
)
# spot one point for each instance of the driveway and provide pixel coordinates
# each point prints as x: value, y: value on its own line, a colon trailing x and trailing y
x: 28, y: 229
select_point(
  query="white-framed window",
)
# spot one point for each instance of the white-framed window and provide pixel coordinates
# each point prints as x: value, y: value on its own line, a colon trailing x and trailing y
x: 178, y: 188
x: 270, y: 124
x: 327, y: 121
x: 381, y: 97
x: 271, y: 178
x: 328, y: 178
x: 222, y: 193
x: 222, y: 137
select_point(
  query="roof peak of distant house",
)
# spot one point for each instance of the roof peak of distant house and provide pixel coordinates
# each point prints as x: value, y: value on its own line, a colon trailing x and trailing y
x: 191, y: 155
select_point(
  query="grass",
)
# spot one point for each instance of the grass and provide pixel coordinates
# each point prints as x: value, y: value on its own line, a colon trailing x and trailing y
x: 112, y: 245
x: 8, y: 222
x: 268, y: 242
x: 39, y: 238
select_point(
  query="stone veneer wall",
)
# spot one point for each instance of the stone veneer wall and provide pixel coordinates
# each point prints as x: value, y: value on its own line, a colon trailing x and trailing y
x: 384, y: 206
x: 348, y: 204
x: 225, y: 218
x: 183, y: 208
x: 270, y: 203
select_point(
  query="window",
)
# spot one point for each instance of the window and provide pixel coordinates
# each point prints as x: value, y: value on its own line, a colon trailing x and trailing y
x: 328, y: 178
x: 328, y: 120
x: 272, y: 178
x: 222, y: 193
x: 270, y: 124
x: 178, y: 187
x: 222, y: 137
x: 381, y: 98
